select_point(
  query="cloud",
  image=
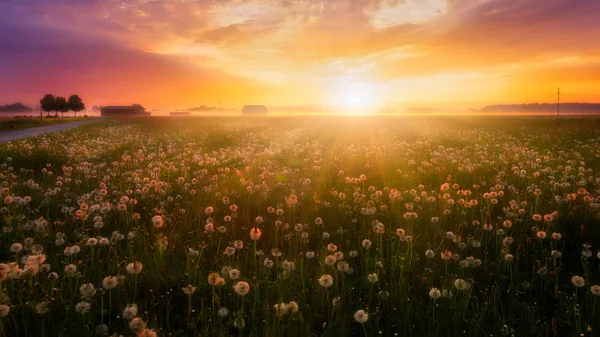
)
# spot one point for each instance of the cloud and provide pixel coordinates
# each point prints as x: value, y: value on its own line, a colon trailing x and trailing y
x: 201, y: 46
x: 51, y: 61
x: 239, y: 32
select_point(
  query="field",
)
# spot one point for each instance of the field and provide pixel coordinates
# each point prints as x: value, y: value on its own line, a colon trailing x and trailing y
x: 320, y: 226
x: 11, y: 123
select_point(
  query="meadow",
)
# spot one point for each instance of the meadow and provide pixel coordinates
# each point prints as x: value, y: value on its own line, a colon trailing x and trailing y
x: 320, y: 226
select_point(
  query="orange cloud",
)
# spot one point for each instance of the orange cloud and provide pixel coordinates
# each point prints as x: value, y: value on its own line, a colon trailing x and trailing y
x: 173, y: 52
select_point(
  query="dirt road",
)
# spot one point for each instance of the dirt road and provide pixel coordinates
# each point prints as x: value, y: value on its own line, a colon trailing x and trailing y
x: 12, y: 135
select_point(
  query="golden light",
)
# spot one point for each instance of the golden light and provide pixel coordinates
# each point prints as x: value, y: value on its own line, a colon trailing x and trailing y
x: 356, y: 97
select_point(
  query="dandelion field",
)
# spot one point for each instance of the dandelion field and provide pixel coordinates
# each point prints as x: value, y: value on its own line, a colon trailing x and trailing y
x: 316, y: 226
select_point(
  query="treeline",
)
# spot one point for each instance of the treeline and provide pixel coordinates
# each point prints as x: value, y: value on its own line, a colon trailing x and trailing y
x: 15, y: 107
x: 56, y: 104
x: 544, y: 107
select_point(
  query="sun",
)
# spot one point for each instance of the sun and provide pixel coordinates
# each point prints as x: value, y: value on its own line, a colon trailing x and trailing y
x: 355, y: 97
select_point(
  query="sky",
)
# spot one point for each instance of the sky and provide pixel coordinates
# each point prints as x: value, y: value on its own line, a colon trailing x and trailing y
x: 348, y: 54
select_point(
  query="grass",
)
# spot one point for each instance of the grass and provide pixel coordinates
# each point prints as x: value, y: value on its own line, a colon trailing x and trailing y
x: 433, y: 227
x: 11, y: 123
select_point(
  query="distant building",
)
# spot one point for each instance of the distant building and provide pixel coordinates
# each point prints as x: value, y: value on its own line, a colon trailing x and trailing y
x: 134, y: 110
x: 179, y: 113
x: 254, y: 109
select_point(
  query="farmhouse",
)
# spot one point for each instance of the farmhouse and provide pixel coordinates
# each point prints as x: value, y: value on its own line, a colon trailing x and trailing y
x: 134, y: 110
x: 254, y: 109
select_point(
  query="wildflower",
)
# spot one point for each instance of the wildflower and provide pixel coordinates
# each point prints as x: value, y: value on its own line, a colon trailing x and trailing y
x: 255, y: 234
x: 109, y: 282
x: 229, y: 251
x: 83, y: 307
x: 268, y: 263
x: 234, y: 274
x: 189, y: 290
x: 70, y: 269
x: 361, y: 316
x: 130, y: 311
x: 239, y: 323
x: 461, y: 284
x: 280, y: 309
x: 429, y: 254
x: 87, y: 290
x: 366, y: 243
x: 137, y: 324
x: 578, y: 281
x: 595, y: 290
x: 214, y: 279
x: 101, y: 329
x: 378, y: 228
x: 288, y: 265
x: 223, y: 312
x: 330, y: 260
x: 16, y: 247
x: 325, y: 281
x: 555, y: 254
x: 373, y: 278
x: 435, y: 293
x: 157, y: 221
x: 446, y: 255
x: 241, y: 288
x: 276, y: 252
x: 134, y: 268
x: 293, y: 306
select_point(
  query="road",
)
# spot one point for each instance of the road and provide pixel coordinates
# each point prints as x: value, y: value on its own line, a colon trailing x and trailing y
x: 12, y: 135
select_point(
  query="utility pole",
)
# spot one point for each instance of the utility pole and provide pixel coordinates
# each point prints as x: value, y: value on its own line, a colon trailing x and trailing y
x: 558, y: 102
x: 41, y: 119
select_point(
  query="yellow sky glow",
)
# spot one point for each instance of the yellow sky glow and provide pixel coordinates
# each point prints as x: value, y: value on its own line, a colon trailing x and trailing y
x: 349, y: 54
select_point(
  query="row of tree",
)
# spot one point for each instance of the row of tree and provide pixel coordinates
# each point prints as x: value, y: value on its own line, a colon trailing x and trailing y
x: 56, y: 104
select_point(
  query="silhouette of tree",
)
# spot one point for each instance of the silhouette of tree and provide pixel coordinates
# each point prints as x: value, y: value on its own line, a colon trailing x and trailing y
x: 48, y: 103
x: 61, y: 106
x: 75, y: 104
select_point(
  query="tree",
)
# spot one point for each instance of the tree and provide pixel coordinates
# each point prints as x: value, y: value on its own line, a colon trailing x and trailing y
x: 61, y: 106
x: 48, y: 103
x: 75, y: 104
